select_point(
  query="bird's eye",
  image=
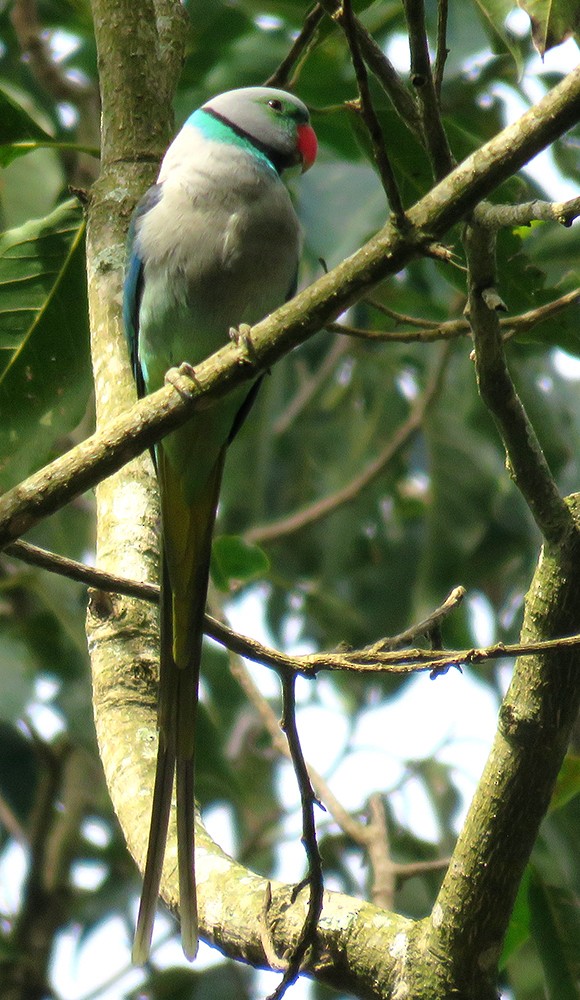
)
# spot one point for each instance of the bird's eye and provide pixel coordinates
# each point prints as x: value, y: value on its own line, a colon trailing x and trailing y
x: 275, y: 104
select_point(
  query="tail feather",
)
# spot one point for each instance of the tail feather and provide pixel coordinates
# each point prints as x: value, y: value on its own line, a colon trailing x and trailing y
x: 163, y: 786
x: 160, y: 812
x: 186, y: 857
x: 187, y: 534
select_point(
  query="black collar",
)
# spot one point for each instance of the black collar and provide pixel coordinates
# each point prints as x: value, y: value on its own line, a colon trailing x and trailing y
x: 280, y: 161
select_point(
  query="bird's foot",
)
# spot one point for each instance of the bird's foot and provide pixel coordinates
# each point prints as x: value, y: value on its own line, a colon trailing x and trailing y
x: 241, y: 336
x: 174, y: 377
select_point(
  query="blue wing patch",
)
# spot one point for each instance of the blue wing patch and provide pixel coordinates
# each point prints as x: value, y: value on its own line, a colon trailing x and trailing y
x: 133, y: 287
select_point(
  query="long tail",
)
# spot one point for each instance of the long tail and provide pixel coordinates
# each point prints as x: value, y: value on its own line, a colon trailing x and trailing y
x: 187, y: 534
x: 163, y: 787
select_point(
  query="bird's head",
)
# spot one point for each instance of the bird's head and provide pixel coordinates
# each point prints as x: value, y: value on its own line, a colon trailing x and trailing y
x: 276, y: 122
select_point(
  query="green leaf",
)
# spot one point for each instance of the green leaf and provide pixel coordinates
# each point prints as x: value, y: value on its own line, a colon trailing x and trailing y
x: 44, y: 359
x: 17, y: 125
x: 553, y: 21
x: 408, y: 160
x: 235, y: 561
x: 224, y: 982
x: 11, y: 151
x: 519, y: 927
x: 493, y: 14
x: 568, y: 783
x: 18, y: 771
x: 555, y: 925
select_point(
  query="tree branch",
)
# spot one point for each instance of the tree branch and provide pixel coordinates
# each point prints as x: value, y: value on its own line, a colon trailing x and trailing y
x: 428, y: 331
x: 63, y: 797
x: 328, y: 504
x: 378, y: 657
x: 381, y: 67
x: 434, y: 135
x: 364, y: 106
x: 34, y: 45
x: 308, y: 801
x: 350, y: 826
x: 535, y: 722
x: 309, y: 385
x: 442, y: 50
x: 286, y: 73
x: 527, y: 464
x: 508, y: 216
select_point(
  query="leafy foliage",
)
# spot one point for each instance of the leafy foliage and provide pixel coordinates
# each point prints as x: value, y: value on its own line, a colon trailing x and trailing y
x: 442, y: 511
x: 44, y: 336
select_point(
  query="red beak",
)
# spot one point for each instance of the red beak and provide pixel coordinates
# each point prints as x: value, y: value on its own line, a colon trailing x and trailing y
x: 307, y: 145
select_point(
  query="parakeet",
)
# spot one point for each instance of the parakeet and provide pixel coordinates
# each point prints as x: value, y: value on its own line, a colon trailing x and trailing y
x: 215, y: 243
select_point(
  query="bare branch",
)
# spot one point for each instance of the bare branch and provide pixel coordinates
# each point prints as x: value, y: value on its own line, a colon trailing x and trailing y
x: 379, y: 657
x: 428, y: 625
x: 36, y: 48
x: 286, y: 73
x: 528, y: 466
x: 381, y: 67
x: 309, y: 386
x: 80, y: 572
x: 365, y: 107
x: 507, y: 216
x: 427, y: 331
x: 382, y: 865
x: 351, y: 827
x: 308, y: 801
x: 322, y: 508
x: 435, y: 139
x: 442, y: 50
x: 398, y: 316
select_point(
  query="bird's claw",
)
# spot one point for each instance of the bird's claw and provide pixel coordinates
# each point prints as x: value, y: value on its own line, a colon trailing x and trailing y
x: 174, y: 377
x: 241, y: 336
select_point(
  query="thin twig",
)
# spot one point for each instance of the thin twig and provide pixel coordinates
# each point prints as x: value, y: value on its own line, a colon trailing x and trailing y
x: 507, y: 216
x: 379, y: 658
x: 347, y: 823
x: 382, y: 68
x: 442, y: 50
x: 281, y: 77
x: 398, y: 316
x: 427, y: 331
x: 427, y: 625
x: 527, y: 463
x: 309, y: 387
x: 434, y: 135
x: 378, y: 847
x: 448, y: 330
x: 375, y: 658
x: 413, y: 868
x: 11, y: 823
x: 91, y: 577
x: 322, y: 508
x: 370, y: 118
x: 386, y: 872
x: 308, y: 800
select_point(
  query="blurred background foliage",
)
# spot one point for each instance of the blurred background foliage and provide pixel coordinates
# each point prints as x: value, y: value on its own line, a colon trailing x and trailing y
x: 440, y: 511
